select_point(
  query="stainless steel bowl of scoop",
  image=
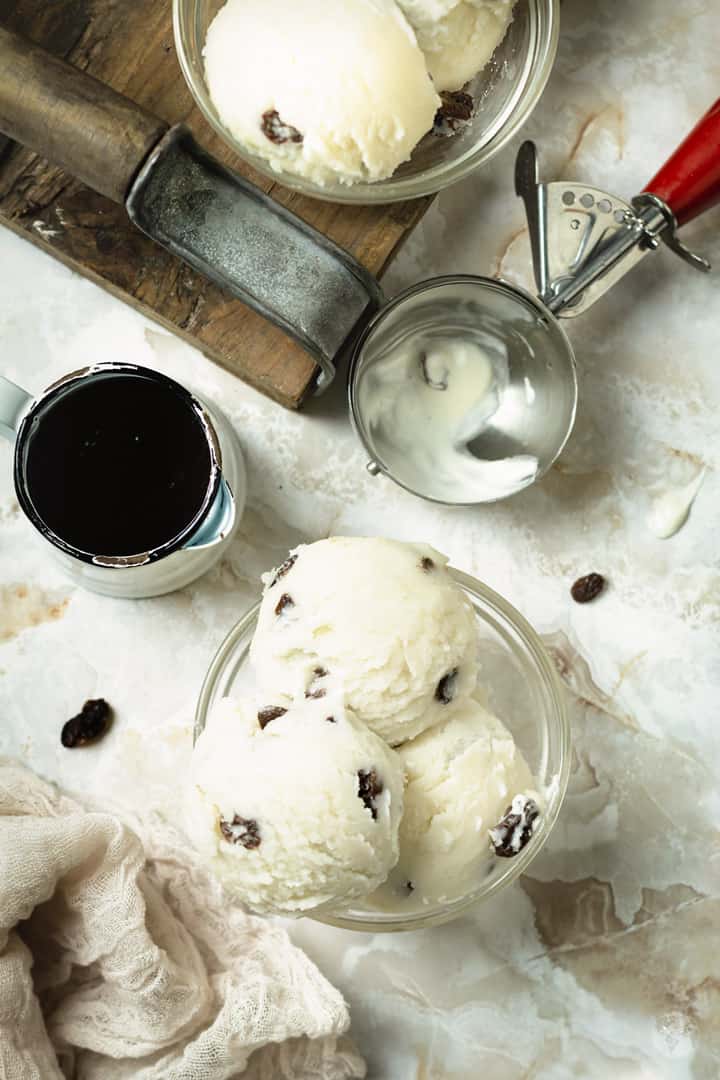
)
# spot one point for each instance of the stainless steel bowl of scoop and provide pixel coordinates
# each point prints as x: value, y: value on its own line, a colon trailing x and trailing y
x: 463, y: 389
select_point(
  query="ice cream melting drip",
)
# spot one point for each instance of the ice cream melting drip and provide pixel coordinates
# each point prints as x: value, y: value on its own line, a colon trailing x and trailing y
x: 670, y: 511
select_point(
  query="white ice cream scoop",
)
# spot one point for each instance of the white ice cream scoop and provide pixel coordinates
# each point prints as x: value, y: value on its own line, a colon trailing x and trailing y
x: 383, y: 620
x: 462, y: 776
x: 294, y: 805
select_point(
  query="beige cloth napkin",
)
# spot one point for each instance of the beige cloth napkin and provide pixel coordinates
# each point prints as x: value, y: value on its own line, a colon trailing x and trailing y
x: 117, y: 962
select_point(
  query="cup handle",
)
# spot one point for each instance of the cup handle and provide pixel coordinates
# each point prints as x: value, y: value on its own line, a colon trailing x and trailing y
x: 13, y: 405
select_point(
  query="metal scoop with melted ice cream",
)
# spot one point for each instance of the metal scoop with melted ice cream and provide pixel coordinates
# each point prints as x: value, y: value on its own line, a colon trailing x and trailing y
x: 450, y: 391
x: 463, y: 389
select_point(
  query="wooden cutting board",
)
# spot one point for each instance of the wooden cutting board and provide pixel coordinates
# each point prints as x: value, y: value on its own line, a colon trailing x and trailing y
x: 129, y: 44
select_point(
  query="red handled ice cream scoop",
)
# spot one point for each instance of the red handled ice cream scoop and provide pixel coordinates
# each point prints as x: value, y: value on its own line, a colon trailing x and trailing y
x: 477, y: 402
x: 584, y: 239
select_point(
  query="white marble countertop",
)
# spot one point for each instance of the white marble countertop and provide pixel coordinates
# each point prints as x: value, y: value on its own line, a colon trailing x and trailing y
x: 603, y: 960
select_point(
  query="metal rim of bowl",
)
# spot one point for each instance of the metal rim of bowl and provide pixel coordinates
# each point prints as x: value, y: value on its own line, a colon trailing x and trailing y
x: 108, y: 560
x: 460, y: 279
x: 536, y: 72
x: 505, y: 613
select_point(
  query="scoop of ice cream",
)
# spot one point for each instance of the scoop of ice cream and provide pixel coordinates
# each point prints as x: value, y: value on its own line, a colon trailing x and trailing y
x: 457, y: 37
x: 325, y: 89
x: 382, y: 620
x: 294, y: 806
x: 462, y: 776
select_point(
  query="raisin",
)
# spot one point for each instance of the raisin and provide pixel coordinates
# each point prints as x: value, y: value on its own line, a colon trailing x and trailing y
x: 455, y: 111
x: 270, y: 712
x: 427, y: 564
x: 90, y: 724
x: 317, y: 691
x: 409, y: 886
x: 285, y: 601
x: 369, y: 787
x: 283, y: 569
x: 330, y: 720
x: 240, y: 830
x: 276, y: 130
x: 513, y: 831
x: 445, y: 691
x: 587, y: 588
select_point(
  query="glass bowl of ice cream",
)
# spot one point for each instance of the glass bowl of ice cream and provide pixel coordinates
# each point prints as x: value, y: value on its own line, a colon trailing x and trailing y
x: 372, y: 102
x: 380, y: 744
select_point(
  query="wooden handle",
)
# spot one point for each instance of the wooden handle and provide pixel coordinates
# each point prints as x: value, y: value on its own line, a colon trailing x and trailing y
x: 69, y: 117
x: 689, y: 182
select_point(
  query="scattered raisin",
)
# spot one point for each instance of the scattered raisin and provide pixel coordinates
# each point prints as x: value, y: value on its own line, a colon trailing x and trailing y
x: 270, y: 712
x: 409, y: 886
x: 445, y: 691
x: 90, y: 724
x: 513, y: 831
x: 330, y: 720
x: 320, y: 672
x: 427, y: 564
x: 320, y: 692
x: 285, y: 601
x: 587, y: 588
x: 369, y: 787
x: 243, y: 831
x: 283, y: 569
x: 455, y: 111
x: 276, y: 130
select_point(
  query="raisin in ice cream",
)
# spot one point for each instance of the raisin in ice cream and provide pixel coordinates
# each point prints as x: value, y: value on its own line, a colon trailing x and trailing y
x: 330, y: 90
x: 383, y: 622
x: 457, y: 37
x: 294, y: 805
x: 463, y: 777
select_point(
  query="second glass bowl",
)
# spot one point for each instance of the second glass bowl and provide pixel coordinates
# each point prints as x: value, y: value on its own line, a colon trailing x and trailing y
x: 505, y: 92
x: 523, y: 690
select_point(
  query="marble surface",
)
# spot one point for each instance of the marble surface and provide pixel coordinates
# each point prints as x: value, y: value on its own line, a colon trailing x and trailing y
x: 602, y: 961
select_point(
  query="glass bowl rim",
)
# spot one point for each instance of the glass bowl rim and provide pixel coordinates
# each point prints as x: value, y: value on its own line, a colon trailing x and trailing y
x: 547, y: 672
x: 427, y: 183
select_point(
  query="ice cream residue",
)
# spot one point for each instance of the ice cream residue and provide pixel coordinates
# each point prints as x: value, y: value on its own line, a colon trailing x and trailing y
x: 670, y: 511
x: 426, y: 402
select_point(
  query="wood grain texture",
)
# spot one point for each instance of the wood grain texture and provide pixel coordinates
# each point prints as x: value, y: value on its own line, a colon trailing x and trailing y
x: 101, y: 137
x: 129, y: 45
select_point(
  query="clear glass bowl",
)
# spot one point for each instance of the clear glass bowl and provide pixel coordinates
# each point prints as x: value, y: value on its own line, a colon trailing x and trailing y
x: 505, y: 92
x: 523, y: 690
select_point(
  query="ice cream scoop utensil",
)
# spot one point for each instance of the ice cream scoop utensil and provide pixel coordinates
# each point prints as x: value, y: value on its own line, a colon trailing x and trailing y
x: 583, y: 240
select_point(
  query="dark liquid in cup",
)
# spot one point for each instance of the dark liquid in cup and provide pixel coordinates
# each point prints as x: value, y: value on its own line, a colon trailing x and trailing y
x: 118, y: 464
